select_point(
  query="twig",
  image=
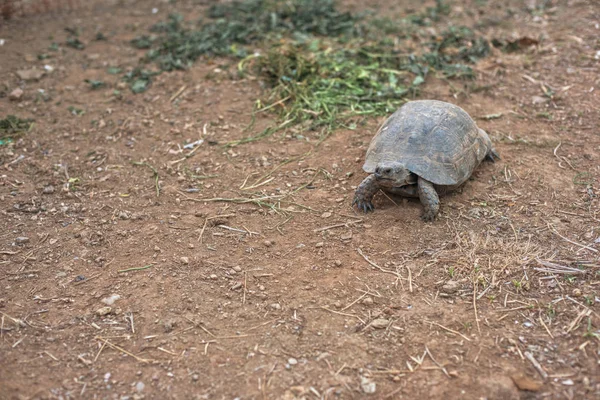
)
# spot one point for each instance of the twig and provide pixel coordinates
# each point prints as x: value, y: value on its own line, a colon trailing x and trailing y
x: 475, y: 306
x: 553, y: 230
x: 345, y: 224
x: 545, y: 326
x: 18, y: 341
x: 346, y: 314
x: 245, y: 282
x: 114, y: 346
x: 387, y: 271
x: 238, y: 230
x: 436, y: 363
x: 178, y: 93
x: 536, y: 365
x: 449, y: 330
x: 202, y: 230
x: 135, y: 269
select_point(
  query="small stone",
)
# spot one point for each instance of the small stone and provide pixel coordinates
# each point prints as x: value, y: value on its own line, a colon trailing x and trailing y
x: 21, y: 240
x: 338, y: 304
x: 139, y: 387
x: 539, y: 100
x: 268, y: 243
x: 61, y: 274
x: 237, y: 268
x: 338, y: 263
x: 16, y: 94
x: 320, y: 244
x: 568, y: 382
x: 380, y: 323
x: 577, y: 292
x: 110, y: 300
x: 292, y: 361
x: 450, y: 287
x: 261, y: 288
x: 48, y: 189
x: 32, y: 74
x: 103, y: 311
x: 213, y: 277
x: 156, y: 248
x: 275, y: 306
x: 526, y: 383
x: 326, y: 215
x: 195, y: 377
x: 347, y: 236
x: 169, y: 325
x: 124, y: 215
x: 185, y: 260
x: 367, y: 301
x: 367, y: 385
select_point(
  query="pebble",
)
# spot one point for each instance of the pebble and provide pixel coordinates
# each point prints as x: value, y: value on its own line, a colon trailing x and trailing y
x: 380, y: 323
x: 237, y: 268
x: 213, y: 277
x: 367, y: 385
x: 275, y: 306
x: 186, y: 260
x: 320, y: 244
x: 326, y: 215
x: 577, y: 292
x: 16, y: 94
x: 195, y: 377
x: 338, y: 263
x: 347, y: 236
x: 292, y: 361
x: 110, y: 300
x: 268, y: 243
x: 367, y: 301
x: 169, y: 325
x: 139, y: 386
x: 32, y: 74
x: 22, y: 240
x: 450, y: 287
x: 48, y: 189
x: 103, y: 311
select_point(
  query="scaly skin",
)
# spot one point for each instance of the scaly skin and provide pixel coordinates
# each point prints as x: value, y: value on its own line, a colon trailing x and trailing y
x: 363, y: 197
x: 429, y: 199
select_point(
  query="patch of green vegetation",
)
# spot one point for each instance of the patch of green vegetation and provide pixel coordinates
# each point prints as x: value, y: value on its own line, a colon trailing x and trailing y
x: 114, y: 70
x: 76, y: 111
x: 139, y: 79
x: 12, y: 127
x: 94, y: 84
x: 142, y: 42
x: 100, y: 36
x: 323, y: 66
x: 75, y: 43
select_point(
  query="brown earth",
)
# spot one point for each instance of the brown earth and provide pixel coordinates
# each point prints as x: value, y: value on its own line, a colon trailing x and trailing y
x: 246, y: 301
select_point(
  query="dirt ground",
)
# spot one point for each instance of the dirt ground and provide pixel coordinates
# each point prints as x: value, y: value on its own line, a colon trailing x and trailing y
x: 306, y: 298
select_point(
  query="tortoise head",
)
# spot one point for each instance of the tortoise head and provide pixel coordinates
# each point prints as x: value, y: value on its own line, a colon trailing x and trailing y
x: 393, y: 174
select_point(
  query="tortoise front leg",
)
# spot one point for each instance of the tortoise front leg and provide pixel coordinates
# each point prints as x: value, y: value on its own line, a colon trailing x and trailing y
x: 363, y: 197
x: 429, y: 199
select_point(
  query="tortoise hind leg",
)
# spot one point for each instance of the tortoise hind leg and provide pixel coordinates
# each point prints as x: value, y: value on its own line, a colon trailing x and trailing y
x: 429, y: 199
x: 492, y: 155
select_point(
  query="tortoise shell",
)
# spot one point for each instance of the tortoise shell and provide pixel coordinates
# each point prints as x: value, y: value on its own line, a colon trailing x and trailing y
x: 433, y: 139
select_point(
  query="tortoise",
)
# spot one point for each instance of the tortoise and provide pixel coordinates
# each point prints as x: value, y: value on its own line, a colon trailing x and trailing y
x: 426, y: 147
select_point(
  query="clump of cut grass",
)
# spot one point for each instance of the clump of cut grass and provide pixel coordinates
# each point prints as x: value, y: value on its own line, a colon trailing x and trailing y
x: 323, y: 66
x: 12, y: 127
x: 242, y: 23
